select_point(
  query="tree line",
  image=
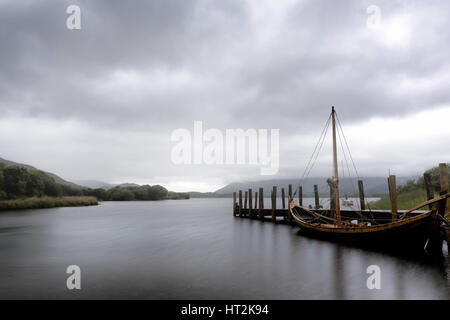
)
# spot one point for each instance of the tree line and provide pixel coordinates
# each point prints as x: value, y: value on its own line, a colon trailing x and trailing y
x: 145, y: 192
x: 17, y: 182
x: 420, y: 182
x: 411, y: 193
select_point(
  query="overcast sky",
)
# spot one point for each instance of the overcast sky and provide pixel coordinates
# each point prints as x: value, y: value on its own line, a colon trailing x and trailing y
x: 102, y: 102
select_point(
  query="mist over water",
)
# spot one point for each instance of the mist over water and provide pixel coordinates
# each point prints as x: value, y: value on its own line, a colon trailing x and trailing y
x: 193, y: 249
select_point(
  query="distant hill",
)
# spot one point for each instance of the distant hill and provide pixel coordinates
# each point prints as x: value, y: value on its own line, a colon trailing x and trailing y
x: 373, y: 186
x: 196, y: 194
x: 127, y: 184
x: 96, y: 184
x: 93, y: 184
x: 56, y: 178
x: 20, y: 181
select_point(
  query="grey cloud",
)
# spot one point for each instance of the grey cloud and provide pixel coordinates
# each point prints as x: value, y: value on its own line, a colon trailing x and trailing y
x: 280, y: 70
x: 306, y: 67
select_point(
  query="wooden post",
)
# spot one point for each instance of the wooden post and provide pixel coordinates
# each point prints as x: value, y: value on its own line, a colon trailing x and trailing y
x: 300, y: 196
x: 234, y: 204
x: 261, y: 203
x: 332, y: 196
x: 283, y: 200
x: 441, y: 205
x: 443, y: 173
x: 271, y: 201
x: 428, y: 188
x: 250, y: 202
x: 256, y: 200
x: 262, y: 197
x: 316, y: 196
x: 434, y: 244
x: 289, y: 203
x: 240, y: 203
x: 274, y: 203
x: 393, y: 196
x: 362, y: 201
x: 245, y: 200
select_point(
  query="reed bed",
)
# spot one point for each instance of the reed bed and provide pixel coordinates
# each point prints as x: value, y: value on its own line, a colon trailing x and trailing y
x: 405, y: 200
x: 47, y: 202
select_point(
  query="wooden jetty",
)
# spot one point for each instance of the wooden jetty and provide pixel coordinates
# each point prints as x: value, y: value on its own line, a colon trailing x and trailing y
x: 381, y: 228
x: 254, y: 208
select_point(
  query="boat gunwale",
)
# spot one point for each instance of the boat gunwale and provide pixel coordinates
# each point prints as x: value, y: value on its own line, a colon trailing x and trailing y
x: 358, y: 229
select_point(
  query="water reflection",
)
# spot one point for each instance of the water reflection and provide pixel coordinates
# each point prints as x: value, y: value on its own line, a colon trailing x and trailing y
x: 193, y: 249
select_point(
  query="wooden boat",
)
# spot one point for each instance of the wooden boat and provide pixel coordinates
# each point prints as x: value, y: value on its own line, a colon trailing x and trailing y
x: 412, y: 229
x: 347, y: 203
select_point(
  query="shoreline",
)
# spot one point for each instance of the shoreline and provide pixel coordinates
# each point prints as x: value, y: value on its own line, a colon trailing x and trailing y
x: 48, y: 202
x: 64, y: 201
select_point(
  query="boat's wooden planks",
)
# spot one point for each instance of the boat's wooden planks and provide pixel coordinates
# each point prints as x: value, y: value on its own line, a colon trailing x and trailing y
x: 372, y: 228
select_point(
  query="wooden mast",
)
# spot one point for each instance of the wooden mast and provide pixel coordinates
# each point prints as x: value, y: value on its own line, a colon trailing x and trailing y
x: 335, y: 167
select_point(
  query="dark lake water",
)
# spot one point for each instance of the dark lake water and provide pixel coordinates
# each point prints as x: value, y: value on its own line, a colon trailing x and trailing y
x: 192, y: 249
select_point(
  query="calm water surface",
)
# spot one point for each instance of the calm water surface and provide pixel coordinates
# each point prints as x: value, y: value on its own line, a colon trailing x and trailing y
x: 192, y: 249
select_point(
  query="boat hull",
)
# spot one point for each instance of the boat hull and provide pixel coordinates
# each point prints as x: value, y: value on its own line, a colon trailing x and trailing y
x: 410, y: 233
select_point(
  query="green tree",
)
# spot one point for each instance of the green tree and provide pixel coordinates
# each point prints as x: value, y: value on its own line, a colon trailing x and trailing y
x: 99, y: 193
x: 143, y: 192
x: 15, y: 181
x: 3, y: 194
x: 2, y: 183
x: 51, y: 188
x: 435, y: 178
x: 158, y: 192
x: 120, y: 194
x: 35, y: 184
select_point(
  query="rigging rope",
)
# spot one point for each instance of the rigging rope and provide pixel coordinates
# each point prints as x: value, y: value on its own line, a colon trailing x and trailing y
x: 345, y: 140
x: 348, y: 169
x: 318, y: 152
x: 314, y: 156
x: 351, y: 158
x: 322, y: 135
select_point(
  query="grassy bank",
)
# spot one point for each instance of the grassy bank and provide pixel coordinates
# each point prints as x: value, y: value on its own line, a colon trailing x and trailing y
x: 413, y: 192
x: 47, y: 202
x: 405, y: 200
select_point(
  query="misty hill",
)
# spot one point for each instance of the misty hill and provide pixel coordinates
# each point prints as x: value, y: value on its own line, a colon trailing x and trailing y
x: 197, y: 194
x: 56, y: 178
x: 373, y: 186
x: 20, y: 181
x: 93, y: 184
x: 96, y: 184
